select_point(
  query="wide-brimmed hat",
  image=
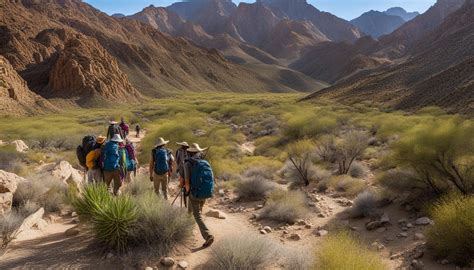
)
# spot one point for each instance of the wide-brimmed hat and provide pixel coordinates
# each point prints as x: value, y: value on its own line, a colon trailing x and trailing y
x: 161, y: 142
x: 101, y: 139
x: 117, y: 138
x: 195, y: 148
x: 183, y: 144
x: 113, y: 122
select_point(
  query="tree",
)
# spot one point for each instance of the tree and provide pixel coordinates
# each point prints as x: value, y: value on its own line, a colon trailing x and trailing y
x: 349, y: 148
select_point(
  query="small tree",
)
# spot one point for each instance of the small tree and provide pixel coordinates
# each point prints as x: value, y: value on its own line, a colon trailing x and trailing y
x: 349, y: 148
x: 300, y: 156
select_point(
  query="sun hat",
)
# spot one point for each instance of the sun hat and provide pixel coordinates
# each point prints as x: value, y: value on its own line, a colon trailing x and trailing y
x: 195, y: 148
x: 101, y: 139
x: 116, y: 138
x: 183, y: 144
x: 161, y: 142
x: 112, y: 122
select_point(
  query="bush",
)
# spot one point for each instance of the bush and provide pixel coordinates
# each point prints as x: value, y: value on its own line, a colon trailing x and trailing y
x: 297, y: 259
x: 365, y: 205
x: 254, y: 188
x: 284, y: 206
x: 242, y: 252
x: 261, y: 172
x: 139, y: 186
x: 9, y: 225
x: 452, y: 235
x: 300, y: 156
x: 93, y: 197
x: 46, y: 192
x: 326, y: 148
x: 160, y: 226
x: 349, y: 148
x: 357, y: 170
x: 348, y: 186
x: 342, y: 252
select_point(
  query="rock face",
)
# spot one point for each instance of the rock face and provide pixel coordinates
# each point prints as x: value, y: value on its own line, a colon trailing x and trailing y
x: 8, y: 186
x: 15, y: 96
x: 376, y: 23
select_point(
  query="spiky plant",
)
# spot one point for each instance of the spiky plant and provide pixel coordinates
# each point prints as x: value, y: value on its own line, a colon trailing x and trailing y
x: 114, y: 220
x: 92, y: 198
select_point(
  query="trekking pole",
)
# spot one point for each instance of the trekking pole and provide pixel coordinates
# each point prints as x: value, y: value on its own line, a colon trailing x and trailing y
x: 177, y: 195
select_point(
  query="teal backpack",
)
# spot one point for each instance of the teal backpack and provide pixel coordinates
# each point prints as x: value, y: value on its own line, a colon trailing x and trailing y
x: 161, y: 158
x: 202, y: 179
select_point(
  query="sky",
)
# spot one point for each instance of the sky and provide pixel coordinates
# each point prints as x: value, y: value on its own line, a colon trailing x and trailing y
x: 347, y: 9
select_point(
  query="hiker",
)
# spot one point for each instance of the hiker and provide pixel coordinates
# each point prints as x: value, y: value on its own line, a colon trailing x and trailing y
x: 114, y: 128
x: 131, y: 159
x: 112, y: 164
x: 124, y: 127
x: 137, y: 130
x: 94, y: 170
x: 181, y: 156
x: 199, y: 184
x: 161, y: 167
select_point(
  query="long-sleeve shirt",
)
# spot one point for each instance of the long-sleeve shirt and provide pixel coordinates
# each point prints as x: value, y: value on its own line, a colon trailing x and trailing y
x: 91, y: 159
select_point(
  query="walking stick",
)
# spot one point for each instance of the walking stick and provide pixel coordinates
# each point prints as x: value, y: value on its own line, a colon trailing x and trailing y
x: 177, y: 195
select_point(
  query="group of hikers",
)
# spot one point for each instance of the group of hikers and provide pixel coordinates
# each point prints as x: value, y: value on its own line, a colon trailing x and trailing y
x: 113, y: 159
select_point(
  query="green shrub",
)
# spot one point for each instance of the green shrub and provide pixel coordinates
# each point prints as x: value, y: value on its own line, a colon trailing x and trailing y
x: 300, y: 155
x: 254, y: 188
x: 348, y: 186
x: 365, y: 205
x: 452, y: 235
x: 113, y: 222
x: 9, y: 225
x: 92, y: 197
x: 357, y: 170
x: 159, y: 225
x: 307, y: 125
x: 351, y: 146
x: 242, y: 252
x: 285, y: 206
x: 342, y: 252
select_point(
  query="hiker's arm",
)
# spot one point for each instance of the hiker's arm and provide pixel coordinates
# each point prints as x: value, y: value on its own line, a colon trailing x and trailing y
x: 151, y: 167
x: 171, y: 164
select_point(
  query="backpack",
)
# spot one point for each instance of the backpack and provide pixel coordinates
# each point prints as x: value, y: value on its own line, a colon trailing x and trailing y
x: 111, y: 156
x: 202, y: 179
x: 130, y: 164
x: 161, y: 158
x: 88, y: 145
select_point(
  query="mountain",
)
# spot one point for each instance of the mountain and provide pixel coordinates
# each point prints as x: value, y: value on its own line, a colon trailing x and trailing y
x: 118, y: 15
x: 376, y: 23
x: 440, y: 72
x: 332, y: 27
x: 400, y: 12
x: 15, y: 96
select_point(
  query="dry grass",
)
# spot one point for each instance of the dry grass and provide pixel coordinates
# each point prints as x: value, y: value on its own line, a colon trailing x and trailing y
x: 285, y: 206
x: 254, y: 188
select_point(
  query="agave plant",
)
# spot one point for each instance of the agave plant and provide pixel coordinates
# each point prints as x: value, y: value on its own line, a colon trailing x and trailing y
x: 114, y: 221
x: 92, y: 198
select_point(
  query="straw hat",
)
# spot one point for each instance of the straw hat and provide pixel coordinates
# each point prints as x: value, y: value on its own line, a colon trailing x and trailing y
x: 116, y: 138
x: 112, y: 122
x: 195, y: 148
x: 101, y: 139
x: 161, y: 142
x: 183, y: 144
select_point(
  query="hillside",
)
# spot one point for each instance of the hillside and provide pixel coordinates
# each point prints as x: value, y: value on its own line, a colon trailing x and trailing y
x: 441, y: 71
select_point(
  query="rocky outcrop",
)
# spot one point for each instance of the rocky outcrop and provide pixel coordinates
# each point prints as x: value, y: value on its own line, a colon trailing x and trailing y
x: 64, y: 172
x: 20, y: 146
x: 8, y: 186
x: 15, y: 96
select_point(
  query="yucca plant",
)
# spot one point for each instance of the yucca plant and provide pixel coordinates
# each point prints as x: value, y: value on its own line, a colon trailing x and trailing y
x: 93, y: 197
x: 114, y: 220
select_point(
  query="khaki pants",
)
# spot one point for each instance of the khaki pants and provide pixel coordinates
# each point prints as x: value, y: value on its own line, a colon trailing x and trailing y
x: 94, y: 176
x: 115, y: 176
x: 195, y: 206
x: 129, y: 177
x: 161, y: 180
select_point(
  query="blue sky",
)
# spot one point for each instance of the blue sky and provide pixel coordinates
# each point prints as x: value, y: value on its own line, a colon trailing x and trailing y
x: 347, y: 9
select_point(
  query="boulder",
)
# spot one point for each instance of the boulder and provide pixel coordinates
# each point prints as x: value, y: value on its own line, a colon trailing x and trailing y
x: 215, y: 214
x: 64, y: 172
x: 385, y: 219
x: 5, y: 202
x: 267, y: 229
x: 20, y: 146
x: 295, y: 236
x: 373, y: 225
x: 32, y: 221
x: 183, y: 264
x: 167, y: 261
x: 424, y: 221
x: 9, y: 181
x: 321, y: 233
x: 71, y: 232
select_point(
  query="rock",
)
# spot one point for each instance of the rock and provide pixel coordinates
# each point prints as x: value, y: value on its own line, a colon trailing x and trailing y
x: 321, y: 215
x: 109, y: 255
x: 167, y: 261
x: 20, y: 146
x: 71, y: 232
x: 385, y: 219
x: 31, y: 221
x: 321, y: 233
x: 378, y: 246
x: 402, y: 221
x: 373, y: 225
x: 404, y: 229
x: 409, y: 225
x: 295, y: 236
x: 300, y: 222
x: 258, y: 207
x: 403, y: 234
x: 308, y: 226
x: 267, y: 229
x: 221, y: 192
x: 5, y: 202
x: 64, y: 172
x: 356, y: 229
x: 41, y: 225
x: 417, y: 265
x: 148, y: 268
x: 285, y: 232
x: 419, y: 237
x: 215, y: 214
x: 9, y: 181
x: 424, y: 221
x: 262, y: 231
x: 73, y: 214
x: 183, y: 264
x: 253, y: 216
x: 381, y: 230
x: 444, y: 262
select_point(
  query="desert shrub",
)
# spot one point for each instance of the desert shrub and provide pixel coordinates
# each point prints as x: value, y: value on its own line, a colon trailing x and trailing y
x: 452, y: 235
x: 254, y: 188
x: 357, y: 170
x: 300, y: 156
x: 326, y: 148
x: 159, y: 226
x: 242, y: 252
x: 285, y: 206
x: 139, y: 186
x: 297, y: 259
x: 261, y: 172
x: 342, y: 252
x: 307, y: 125
x: 9, y: 225
x: 113, y: 222
x: 347, y: 185
x: 349, y: 148
x: 365, y: 205
x: 92, y: 197
x: 48, y: 193
x: 315, y: 174
x: 401, y: 181
x: 441, y: 152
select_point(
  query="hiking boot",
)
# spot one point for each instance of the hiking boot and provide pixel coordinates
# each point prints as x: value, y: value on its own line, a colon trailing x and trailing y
x: 208, y: 242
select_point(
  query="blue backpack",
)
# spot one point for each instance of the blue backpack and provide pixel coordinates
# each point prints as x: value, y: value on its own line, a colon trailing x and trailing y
x: 202, y: 179
x: 129, y: 163
x: 162, y: 159
x: 111, y: 156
